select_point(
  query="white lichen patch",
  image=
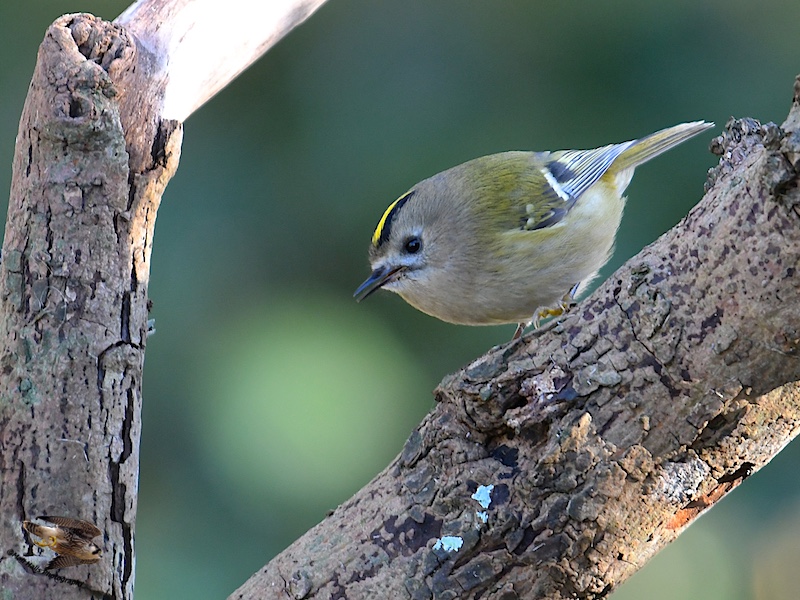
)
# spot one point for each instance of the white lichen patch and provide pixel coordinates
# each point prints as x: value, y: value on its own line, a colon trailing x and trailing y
x: 680, y: 482
x: 483, y: 495
x: 449, y: 543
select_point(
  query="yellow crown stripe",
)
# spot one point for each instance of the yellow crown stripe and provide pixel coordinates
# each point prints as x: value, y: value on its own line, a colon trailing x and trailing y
x: 386, y: 218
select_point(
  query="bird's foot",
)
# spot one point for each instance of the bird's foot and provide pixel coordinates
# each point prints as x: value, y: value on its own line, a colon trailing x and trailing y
x: 566, y: 304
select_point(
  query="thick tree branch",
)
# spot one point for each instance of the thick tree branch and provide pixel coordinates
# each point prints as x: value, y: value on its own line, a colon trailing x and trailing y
x: 94, y: 153
x: 555, y: 466
x: 74, y: 298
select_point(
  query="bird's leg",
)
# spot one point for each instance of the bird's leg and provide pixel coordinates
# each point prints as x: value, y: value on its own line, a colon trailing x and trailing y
x: 564, y: 305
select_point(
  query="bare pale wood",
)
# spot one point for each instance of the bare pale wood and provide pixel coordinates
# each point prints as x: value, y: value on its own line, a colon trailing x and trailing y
x: 202, y: 45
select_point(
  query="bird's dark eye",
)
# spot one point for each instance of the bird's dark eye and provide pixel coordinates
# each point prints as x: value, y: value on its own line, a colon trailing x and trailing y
x: 413, y: 245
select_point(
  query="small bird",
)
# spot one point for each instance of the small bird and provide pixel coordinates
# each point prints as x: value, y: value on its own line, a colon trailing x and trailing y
x: 70, y: 539
x: 510, y: 237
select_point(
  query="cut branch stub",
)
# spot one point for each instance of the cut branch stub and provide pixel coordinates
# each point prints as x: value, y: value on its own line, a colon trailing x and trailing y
x: 88, y: 175
x: 556, y: 465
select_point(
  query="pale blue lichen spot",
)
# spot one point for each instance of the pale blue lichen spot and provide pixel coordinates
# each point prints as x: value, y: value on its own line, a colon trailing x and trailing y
x: 449, y: 543
x: 483, y: 495
x: 482, y: 515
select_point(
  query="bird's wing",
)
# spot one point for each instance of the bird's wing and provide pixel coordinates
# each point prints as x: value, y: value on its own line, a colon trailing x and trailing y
x: 64, y: 560
x: 566, y: 174
x: 572, y: 172
x: 83, y: 527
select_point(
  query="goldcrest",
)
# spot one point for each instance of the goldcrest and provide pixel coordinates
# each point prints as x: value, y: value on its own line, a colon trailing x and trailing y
x: 509, y: 237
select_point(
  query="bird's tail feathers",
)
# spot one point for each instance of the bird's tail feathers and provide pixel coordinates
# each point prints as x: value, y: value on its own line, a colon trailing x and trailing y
x: 648, y: 147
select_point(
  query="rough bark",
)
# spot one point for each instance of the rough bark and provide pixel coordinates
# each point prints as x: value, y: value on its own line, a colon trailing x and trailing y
x: 92, y: 159
x: 94, y: 152
x: 557, y: 465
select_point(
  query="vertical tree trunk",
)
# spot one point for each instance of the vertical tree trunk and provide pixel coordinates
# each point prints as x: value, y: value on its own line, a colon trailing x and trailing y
x: 90, y: 165
x: 99, y: 139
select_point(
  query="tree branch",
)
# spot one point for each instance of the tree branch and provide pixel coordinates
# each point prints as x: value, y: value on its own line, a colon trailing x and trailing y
x: 208, y: 44
x: 94, y: 153
x: 75, y: 267
x: 556, y: 466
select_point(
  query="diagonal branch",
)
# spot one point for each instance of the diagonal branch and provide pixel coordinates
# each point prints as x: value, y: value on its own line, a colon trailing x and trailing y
x: 557, y: 465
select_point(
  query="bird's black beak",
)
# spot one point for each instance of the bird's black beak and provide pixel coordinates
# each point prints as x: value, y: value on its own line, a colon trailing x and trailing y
x: 375, y: 281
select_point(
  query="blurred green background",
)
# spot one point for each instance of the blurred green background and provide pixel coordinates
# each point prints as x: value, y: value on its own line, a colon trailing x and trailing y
x: 270, y: 396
